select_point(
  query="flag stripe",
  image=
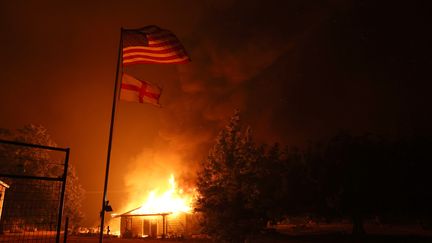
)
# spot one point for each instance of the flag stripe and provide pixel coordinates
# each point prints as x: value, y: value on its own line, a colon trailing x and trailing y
x: 162, y: 45
x: 150, y: 61
x: 152, y: 45
x: 139, y: 61
x: 167, y: 43
x: 166, y: 56
x: 133, y: 49
x: 173, y: 54
x: 155, y: 57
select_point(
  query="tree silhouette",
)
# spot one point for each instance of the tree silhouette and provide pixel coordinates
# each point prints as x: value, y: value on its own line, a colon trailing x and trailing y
x: 227, y: 186
x: 243, y: 186
x: 20, y: 160
x: 368, y: 176
x: 346, y: 170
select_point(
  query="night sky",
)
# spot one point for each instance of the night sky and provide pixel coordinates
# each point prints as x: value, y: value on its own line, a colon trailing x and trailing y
x: 297, y: 70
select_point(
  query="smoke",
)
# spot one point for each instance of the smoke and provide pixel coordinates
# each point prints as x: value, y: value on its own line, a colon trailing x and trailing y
x: 232, y: 46
x: 296, y: 70
x: 232, y: 49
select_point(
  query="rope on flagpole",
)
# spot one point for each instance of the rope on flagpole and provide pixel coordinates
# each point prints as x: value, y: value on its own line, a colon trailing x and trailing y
x: 114, y: 105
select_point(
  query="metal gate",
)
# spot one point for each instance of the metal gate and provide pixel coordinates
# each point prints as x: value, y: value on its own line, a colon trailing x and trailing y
x: 34, y: 182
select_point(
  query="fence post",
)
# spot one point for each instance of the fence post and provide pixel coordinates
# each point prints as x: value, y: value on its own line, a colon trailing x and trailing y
x: 62, y: 195
x: 66, y: 230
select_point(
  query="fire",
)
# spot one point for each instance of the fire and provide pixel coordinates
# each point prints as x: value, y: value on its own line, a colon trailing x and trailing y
x: 173, y: 200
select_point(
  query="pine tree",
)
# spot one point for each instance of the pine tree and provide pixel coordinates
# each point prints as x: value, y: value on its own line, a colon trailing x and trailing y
x: 227, y: 186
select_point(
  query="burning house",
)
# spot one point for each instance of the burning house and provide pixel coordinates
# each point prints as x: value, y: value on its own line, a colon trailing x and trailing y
x: 165, y: 215
x: 157, y: 225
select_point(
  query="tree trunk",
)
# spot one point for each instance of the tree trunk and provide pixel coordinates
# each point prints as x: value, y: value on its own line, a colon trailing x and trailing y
x: 358, y: 228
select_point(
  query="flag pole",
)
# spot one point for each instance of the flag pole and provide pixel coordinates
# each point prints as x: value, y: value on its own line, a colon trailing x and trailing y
x: 114, y: 105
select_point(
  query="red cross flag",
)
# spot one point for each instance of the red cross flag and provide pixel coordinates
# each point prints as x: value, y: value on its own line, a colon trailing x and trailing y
x: 136, y: 90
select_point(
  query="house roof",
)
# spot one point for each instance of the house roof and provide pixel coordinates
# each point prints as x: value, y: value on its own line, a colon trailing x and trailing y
x: 4, y: 184
x: 131, y: 213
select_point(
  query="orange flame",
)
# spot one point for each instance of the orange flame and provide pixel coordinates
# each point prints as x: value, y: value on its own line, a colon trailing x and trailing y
x: 174, y: 200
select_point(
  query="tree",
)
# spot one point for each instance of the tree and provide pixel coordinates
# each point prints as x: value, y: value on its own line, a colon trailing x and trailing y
x: 284, y: 183
x: 228, y: 192
x: 242, y: 186
x: 21, y: 160
x: 74, y: 196
x: 347, y: 170
x: 368, y: 176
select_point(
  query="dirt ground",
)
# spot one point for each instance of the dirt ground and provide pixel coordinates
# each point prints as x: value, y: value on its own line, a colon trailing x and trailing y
x: 75, y: 239
x: 281, y: 239
x: 326, y: 233
x: 316, y: 233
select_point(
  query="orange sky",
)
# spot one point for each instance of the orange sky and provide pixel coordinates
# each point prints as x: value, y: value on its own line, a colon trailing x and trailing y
x: 297, y: 71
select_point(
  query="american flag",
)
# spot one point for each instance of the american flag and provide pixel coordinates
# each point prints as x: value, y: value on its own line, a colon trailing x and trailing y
x: 135, y: 90
x: 152, y: 44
